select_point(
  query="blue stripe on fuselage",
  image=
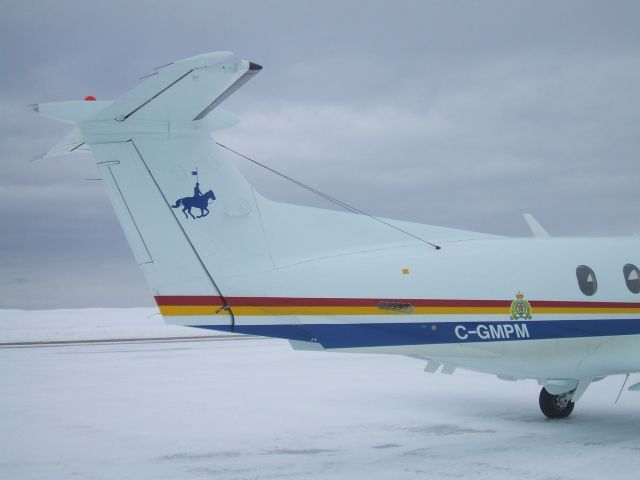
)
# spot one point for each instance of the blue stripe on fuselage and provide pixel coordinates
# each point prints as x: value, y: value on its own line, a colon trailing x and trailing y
x: 353, y: 335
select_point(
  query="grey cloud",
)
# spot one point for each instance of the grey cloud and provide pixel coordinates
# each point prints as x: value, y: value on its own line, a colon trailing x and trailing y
x: 463, y: 114
x: 485, y: 136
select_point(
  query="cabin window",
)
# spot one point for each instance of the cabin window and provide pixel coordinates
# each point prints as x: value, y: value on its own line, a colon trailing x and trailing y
x: 632, y: 277
x: 586, y: 280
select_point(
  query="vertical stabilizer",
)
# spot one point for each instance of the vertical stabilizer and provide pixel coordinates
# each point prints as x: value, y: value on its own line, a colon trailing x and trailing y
x: 189, y: 216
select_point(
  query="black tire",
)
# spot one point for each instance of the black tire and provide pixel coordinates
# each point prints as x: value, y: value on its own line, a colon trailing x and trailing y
x: 556, y: 406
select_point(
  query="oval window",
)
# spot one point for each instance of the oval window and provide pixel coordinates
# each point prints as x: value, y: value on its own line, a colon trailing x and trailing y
x: 586, y: 280
x: 632, y: 277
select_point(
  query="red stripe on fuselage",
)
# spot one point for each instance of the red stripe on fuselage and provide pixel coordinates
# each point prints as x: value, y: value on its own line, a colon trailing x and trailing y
x: 178, y: 300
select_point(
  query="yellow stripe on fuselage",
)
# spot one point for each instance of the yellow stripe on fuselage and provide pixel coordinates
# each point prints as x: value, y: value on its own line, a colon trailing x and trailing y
x: 277, y: 311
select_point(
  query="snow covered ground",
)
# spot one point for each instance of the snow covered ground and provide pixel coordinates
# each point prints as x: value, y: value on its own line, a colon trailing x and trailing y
x: 88, y: 324
x: 256, y: 409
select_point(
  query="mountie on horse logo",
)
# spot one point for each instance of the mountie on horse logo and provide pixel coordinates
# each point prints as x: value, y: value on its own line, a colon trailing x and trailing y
x: 199, y: 200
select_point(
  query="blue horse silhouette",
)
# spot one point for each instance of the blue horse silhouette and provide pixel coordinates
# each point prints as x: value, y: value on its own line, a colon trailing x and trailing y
x: 197, y: 201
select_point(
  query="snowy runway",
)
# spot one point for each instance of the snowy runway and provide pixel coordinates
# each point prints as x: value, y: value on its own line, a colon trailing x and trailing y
x: 253, y: 410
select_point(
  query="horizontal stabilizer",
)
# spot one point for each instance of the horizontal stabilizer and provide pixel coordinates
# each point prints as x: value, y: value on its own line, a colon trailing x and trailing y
x: 182, y: 91
x: 71, y: 111
x: 71, y: 143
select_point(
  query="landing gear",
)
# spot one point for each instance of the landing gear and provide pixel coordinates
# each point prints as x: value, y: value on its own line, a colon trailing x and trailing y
x: 556, y: 406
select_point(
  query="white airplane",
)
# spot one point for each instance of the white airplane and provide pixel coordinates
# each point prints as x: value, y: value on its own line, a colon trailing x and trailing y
x: 218, y: 255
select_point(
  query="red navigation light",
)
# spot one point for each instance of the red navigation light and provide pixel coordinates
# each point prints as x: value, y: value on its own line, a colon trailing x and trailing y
x: 90, y: 98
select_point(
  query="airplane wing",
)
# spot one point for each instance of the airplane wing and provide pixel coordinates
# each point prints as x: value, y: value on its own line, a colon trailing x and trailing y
x: 184, y: 91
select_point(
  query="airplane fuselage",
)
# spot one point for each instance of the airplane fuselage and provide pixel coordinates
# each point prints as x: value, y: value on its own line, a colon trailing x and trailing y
x: 455, y: 304
x: 562, y: 311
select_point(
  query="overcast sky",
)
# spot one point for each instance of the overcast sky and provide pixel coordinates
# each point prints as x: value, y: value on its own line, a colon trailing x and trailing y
x: 458, y: 113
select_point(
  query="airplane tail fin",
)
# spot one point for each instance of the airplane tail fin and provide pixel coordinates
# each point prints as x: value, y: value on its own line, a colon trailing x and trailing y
x: 189, y: 216
x: 205, y: 240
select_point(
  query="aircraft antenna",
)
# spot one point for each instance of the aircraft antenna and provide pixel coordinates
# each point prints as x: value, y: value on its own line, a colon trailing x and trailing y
x: 622, y: 388
x: 331, y: 199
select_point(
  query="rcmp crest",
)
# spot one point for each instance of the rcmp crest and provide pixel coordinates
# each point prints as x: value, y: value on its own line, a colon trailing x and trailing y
x: 520, y: 308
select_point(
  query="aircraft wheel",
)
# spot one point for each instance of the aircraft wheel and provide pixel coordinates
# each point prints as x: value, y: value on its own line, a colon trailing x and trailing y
x: 556, y: 406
